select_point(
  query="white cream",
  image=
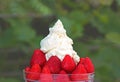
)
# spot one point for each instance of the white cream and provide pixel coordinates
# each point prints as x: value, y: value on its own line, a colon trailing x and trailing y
x: 57, y: 43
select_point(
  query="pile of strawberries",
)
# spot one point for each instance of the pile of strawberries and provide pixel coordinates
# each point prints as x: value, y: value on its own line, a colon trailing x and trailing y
x: 65, y: 71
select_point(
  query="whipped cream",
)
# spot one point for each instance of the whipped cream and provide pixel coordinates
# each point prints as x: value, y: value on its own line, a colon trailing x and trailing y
x: 57, y: 43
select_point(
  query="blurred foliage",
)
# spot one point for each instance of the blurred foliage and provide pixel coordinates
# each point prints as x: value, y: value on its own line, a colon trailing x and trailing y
x: 8, y: 80
x: 94, y: 26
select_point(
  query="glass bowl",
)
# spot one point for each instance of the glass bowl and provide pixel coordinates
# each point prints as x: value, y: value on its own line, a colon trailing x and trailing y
x: 39, y: 77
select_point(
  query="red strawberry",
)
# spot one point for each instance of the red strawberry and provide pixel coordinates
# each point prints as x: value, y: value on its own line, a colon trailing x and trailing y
x: 68, y: 63
x: 82, y: 60
x: 34, y: 72
x: 35, y: 68
x: 89, y: 65
x: 27, y: 69
x: 62, y: 72
x: 46, y: 76
x: 54, y: 64
x: 62, y: 77
x: 80, y: 69
x: 38, y: 57
x: 46, y: 70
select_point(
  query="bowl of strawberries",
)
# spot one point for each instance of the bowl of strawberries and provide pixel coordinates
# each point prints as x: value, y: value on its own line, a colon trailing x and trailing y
x: 55, y: 70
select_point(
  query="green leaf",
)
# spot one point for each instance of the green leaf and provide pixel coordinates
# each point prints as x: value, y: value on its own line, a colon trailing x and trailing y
x: 24, y: 34
x: 76, y: 31
x: 106, y: 2
x: 35, y: 43
x: 113, y: 37
x: 118, y: 2
x: 22, y: 29
x: 79, y: 17
x: 67, y: 24
x: 107, y: 21
x: 7, y: 39
x: 16, y: 8
x: 107, y: 59
x: 81, y: 48
x: 40, y: 7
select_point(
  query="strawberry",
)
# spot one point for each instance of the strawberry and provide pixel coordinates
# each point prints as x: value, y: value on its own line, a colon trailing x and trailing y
x: 35, y: 68
x: 62, y: 77
x: 89, y: 65
x: 46, y: 70
x: 54, y: 64
x: 38, y: 57
x: 62, y: 72
x: 82, y: 60
x: 68, y: 63
x: 27, y: 69
x: 46, y: 76
x: 34, y: 72
x: 80, y: 69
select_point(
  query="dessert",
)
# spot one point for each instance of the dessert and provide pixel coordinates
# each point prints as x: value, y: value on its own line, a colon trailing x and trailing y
x: 57, y: 43
x: 56, y: 61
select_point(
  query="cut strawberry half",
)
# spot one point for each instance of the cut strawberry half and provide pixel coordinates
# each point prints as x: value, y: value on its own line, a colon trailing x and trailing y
x: 54, y: 64
x: 68, y: 64
x: 38, y: 57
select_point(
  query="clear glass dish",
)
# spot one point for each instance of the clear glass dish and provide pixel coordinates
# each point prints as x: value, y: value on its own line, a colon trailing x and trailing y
x: 38, y: 77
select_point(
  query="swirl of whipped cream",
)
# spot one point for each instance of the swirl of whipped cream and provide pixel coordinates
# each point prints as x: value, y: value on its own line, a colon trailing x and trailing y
x: 57, y: 43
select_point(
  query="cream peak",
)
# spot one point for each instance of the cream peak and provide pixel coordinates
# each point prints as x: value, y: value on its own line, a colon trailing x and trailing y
x: 59, y: 23
x: 58, y: 27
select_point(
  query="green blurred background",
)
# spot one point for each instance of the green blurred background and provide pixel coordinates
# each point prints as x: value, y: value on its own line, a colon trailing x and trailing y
x: 94, y: 26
